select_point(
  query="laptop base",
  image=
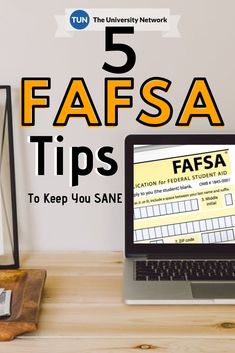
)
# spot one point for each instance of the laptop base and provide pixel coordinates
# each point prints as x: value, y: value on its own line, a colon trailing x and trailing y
x: 174, y: 292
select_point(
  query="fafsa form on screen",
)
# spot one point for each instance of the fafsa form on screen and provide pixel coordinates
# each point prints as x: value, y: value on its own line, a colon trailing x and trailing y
x: 184, y: 194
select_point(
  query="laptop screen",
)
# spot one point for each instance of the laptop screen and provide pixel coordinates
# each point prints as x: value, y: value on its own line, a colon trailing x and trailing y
x: 184, y: 194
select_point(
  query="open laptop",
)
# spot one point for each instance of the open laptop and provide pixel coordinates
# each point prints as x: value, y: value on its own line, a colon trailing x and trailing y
x: 180, y: 219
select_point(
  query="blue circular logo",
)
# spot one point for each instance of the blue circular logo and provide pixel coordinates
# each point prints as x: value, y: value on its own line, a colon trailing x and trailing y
x: 79, y: 19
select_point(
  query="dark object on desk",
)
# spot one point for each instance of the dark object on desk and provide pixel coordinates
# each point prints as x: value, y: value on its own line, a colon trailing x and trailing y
x: 9, y: 253
x: 27, y: 287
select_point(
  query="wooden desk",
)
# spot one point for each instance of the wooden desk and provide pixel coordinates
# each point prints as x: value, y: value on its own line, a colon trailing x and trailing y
x: 82, y: 311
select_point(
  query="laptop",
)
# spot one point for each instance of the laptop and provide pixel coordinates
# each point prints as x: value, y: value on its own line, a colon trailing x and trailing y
x: 179, y: 219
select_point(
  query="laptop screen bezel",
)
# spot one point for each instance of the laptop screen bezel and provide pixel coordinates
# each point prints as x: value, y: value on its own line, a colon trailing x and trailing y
x: 168, y: 250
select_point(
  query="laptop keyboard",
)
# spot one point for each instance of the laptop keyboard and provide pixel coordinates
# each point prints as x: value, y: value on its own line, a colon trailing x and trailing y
x: 185, y: 270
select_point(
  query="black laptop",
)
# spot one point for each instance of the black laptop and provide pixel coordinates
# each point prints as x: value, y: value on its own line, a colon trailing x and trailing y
x: 180, y: 219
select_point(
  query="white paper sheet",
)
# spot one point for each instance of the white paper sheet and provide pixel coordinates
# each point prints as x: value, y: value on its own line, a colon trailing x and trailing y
x: 5, y: 303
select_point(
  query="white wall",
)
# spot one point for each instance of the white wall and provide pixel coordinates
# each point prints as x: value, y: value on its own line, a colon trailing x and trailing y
x: 29, y: 48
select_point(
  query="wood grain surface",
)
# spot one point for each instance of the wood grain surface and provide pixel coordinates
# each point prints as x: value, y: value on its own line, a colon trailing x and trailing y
x: 82, y: 311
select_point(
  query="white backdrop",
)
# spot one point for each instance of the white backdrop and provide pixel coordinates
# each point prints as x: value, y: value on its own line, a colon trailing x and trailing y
x: 30, y: 49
